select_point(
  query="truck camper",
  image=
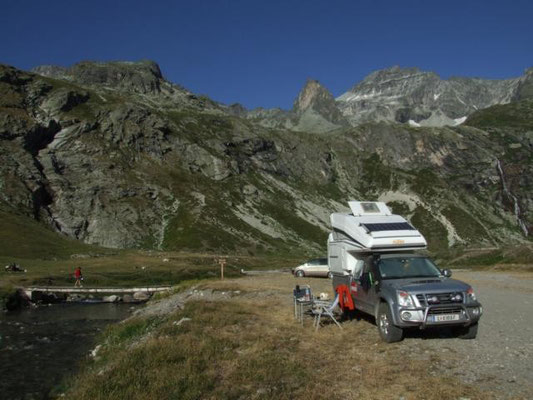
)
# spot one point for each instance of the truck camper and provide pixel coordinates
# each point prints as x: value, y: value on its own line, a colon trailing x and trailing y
x: 375, y: 270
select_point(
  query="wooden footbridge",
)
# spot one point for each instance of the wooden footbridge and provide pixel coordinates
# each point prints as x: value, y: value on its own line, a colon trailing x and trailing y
x: 90, y: 290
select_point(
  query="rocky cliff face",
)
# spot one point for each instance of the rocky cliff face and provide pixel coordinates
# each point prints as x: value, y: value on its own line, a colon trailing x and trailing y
x: 408, y: 95
x: 139, y: 161
x: 524, y: 89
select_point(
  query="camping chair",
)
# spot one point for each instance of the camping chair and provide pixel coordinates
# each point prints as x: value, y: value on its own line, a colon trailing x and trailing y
x: 321, y: 308
x: 303, y: 300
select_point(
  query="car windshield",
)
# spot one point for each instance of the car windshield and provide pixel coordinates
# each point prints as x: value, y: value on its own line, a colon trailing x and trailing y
x: 407, y: 267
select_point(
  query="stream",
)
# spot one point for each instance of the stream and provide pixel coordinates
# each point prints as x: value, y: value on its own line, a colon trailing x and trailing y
x: 516, y: 204
x: 39, y: 347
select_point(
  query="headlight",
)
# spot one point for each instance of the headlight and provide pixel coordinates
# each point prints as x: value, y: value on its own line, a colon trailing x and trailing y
x: 470, y: 295
x: 456, y: 297
x: 404, y: 299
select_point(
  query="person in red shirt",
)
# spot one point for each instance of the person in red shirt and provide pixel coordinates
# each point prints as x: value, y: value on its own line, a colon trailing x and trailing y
x: 78, y: 276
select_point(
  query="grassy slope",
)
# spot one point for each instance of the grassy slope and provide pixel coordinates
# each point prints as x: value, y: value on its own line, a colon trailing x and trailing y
x: 517, y: 116
x: 24, y: 238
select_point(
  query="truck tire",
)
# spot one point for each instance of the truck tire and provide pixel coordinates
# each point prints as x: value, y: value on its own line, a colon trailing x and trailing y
x: 388, y: 332
x: 468, y: 332
x: 299, y: 274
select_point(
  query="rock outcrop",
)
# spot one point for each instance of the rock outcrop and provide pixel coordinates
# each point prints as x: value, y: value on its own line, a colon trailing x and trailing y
x: 315, y: 105
x: 524, y: 89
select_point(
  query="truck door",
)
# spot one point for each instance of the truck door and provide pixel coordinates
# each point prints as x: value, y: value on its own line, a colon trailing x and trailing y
x: 367, y: 295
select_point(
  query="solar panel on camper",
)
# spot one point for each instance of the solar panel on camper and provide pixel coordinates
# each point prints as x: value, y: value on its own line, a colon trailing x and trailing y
x: 391, y: 226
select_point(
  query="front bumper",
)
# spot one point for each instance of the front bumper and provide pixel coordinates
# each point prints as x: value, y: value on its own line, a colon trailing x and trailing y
x: 423, y: 317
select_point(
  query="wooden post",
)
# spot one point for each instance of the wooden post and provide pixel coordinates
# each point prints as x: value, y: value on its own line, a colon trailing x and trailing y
x: 222, y: 262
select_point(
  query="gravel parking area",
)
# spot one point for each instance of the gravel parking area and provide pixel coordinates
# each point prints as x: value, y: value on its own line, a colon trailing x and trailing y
x: 500, y: 358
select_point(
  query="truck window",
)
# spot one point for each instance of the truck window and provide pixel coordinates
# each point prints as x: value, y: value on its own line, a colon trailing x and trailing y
x: 358, y: 270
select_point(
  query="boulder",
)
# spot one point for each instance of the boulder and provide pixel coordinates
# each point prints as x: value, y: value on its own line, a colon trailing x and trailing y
x: 17, y: 300
x: 111, y: 299
x: 75, y: 297
x: 141, y: 296
x: 128, y: 298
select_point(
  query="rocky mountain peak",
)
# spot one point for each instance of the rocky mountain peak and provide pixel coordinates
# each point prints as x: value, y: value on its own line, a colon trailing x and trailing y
x: 51, y: 71
x: 142, y: 76
x: 393, y: 72
x: 394, y: 79
x: 409, y: 95
x: 311, y: 95
x: 237, y: 109
x: 316, y: 98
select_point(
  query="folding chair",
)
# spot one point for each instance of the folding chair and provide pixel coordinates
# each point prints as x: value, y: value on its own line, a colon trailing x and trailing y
x: 321, y: 308
x: 302, y: 299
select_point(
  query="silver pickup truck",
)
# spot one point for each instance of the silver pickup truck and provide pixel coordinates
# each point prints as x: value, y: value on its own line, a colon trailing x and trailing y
x: 407, y: 290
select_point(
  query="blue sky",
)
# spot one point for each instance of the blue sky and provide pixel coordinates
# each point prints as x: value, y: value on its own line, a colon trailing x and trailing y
x: 260, y: 53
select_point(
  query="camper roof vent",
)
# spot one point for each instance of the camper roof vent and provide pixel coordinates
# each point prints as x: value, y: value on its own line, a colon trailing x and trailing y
x: 360, y: 208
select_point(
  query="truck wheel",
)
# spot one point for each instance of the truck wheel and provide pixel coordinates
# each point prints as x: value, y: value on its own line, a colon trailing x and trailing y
x: 300, y: 274
x: 468, y: 332
x: 388, y: 332
x: 330, y: 275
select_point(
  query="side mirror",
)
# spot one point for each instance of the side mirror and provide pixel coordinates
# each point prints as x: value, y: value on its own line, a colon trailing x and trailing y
x: 447, y: 273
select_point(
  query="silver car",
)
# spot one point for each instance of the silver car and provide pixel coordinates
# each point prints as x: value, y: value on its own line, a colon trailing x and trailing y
x: 314, y: 267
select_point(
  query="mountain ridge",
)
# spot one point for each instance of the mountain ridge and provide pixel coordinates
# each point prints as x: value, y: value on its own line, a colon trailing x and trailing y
x: 172, y: 170
x: 396, y: 94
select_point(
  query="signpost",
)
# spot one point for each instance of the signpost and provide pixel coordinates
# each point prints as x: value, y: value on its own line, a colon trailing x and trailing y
x: 222, y: 262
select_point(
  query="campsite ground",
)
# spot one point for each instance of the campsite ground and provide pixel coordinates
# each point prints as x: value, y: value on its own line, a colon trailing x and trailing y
x: 238, y: 339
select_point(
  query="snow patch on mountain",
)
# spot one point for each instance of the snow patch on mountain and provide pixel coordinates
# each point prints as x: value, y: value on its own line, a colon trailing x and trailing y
x: 459, y: 121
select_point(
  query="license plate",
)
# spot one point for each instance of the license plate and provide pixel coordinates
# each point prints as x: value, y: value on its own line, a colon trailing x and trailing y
x: 444, y: 317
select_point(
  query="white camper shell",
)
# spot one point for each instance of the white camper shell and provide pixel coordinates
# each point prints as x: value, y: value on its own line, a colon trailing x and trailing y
x: 369, y: 228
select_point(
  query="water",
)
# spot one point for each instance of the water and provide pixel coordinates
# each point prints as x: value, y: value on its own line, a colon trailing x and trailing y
x: 517, y: 211
x: 39, y: 347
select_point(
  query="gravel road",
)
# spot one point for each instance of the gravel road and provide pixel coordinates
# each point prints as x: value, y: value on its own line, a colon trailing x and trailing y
x: 500, y: 358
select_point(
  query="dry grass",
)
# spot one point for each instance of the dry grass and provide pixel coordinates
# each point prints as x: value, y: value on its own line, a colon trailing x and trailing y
x: 250, y: 347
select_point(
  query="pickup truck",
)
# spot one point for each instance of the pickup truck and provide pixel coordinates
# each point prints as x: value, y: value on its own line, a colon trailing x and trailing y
x: 407, y: 290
